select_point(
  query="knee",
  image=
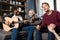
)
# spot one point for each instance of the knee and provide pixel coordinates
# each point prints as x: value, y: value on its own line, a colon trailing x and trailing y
x: 14, y: 29
x: 36, y: 30
x: 50, y: 33
x: 31, y: 28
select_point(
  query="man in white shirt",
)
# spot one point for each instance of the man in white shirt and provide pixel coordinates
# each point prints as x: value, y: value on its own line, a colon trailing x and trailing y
x: 18, y: 17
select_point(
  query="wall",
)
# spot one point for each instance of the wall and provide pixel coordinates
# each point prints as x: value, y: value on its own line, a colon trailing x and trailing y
x: 39, y: 10
x: 58, y: 4
x: 31, y: 4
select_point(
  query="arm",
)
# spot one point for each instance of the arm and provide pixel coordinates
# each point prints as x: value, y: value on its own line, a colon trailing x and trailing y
x: 58, y: 18
x: 51, y: 29
x: 56, y: 35
x: 43, y: 24
x: 35, y: 20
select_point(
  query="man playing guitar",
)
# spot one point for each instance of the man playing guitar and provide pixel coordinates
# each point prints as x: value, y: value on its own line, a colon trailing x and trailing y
x: 11, y: 23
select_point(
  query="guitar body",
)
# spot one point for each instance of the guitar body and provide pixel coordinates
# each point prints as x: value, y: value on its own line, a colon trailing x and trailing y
x: 9, y: 20
x: 6, y: 27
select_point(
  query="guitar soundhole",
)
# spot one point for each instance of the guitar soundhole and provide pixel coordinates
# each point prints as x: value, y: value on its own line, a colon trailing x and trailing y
x: 12, y: 24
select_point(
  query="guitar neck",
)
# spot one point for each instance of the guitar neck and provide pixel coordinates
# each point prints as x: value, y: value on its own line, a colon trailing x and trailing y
x: 18, y: 22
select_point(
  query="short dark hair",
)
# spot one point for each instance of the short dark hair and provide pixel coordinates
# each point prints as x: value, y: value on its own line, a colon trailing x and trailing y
x: 14, y: 8
x: 45, y: 3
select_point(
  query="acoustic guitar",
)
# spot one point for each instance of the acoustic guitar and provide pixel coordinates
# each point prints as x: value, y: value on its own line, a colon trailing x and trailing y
x: 9, y: 21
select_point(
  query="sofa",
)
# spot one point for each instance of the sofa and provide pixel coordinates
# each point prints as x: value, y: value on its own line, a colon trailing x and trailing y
x: 7, y: 35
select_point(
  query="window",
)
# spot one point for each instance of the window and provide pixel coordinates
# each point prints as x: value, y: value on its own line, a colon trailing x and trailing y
x: 39, y: 10
x: 58, y: 4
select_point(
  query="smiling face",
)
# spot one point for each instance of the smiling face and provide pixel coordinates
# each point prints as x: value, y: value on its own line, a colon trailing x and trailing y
x: 31, y: 12
x: 45, y: 7
x: 16, y: 12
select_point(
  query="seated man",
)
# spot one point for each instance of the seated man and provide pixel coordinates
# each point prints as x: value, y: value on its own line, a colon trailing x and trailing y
x: 51, y: 29
x: 12, y: 24
x: 33, y: 20
x: 50, y: 17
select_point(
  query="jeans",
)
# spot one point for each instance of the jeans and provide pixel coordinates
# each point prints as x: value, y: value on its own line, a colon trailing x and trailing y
x: 50, y: 36
x: 39, y: 34
x: 30, y: 30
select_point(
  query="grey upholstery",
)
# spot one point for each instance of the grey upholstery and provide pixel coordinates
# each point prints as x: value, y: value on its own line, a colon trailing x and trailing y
x: 4, y: 35
x: 22, y: 35
x: 7, y: 35
x: 44, y: 36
